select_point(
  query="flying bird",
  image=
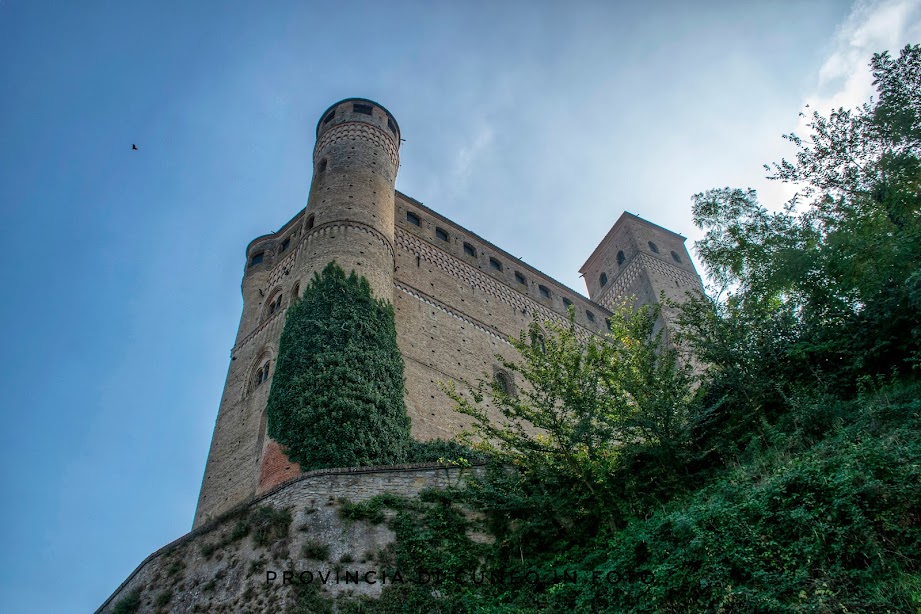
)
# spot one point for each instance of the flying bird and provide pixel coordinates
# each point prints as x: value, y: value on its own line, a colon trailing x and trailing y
x: 134, y: 147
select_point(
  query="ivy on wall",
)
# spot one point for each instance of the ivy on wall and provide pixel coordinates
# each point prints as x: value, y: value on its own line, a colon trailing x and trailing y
x: 337, y: 393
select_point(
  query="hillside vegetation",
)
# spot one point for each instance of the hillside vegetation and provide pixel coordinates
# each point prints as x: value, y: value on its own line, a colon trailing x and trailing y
x: 782, y: 475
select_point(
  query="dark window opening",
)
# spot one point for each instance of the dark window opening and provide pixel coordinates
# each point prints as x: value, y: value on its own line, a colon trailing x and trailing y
x: 256, y: 258
x: 321, y: 167
x: 364, y: 109
x: 275, y: 305
x: 676, y: 257
x: 544, y: 291
x: 329, y: 117
x: 607, y: 322
x: 296, y: 292
x: 502, y: 383
x: 603, y: 279
x: 567, y: 303
x: 620, y: 257
x: 441, y: 234
x: 413, y: 219
x: 286, y: 244
x: 589, y: 315
x: 495, y: 264
x: 537, y: 342
x: 653, y: 247
x: 262, y: 374
x: 392, y: 126
x: 520, y: 278
x: 469, y: 250
x: 310, y: 222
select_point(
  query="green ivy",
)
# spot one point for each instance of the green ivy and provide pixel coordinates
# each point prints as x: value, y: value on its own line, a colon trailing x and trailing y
x: 337, y: 393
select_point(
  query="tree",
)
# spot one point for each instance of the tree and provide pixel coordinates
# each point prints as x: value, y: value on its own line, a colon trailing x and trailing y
x: 843, y: 256
x: 337, y: 394
x: 583, y: 403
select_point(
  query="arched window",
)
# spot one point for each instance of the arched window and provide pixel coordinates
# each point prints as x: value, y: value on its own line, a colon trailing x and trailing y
x: 441, y: 234
x: 620, y: 257
x: 676, y: 257
x: 296, y: 291
x: 495, y: 264
x: 469, y: 250
x: 274, y: 304
x: 653, y: 247
x: 603, y: 280
x: 321, y: 167
x: 544, y: 291
x: 309, y: 223
x: 413, y: 219
x: 262, y: 374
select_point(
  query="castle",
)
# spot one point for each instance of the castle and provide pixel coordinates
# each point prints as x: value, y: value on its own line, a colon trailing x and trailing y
x: 457, y: 297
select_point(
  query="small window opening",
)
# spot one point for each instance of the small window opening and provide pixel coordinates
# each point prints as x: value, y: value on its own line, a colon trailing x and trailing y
x: 286, y: 244
x: 653, y: 247
x: 544, y: 291
x: 676, y: 257
x: 364, y: 109
x: 589, y: 315
x: 309, y: 223
x: 392, y: 126
x: 296, y: 291
x: 441, y: 234
x: 256, y: 258
x: 495, y: 264
x: 607, y: 322
x: 603, y: 280
x: 275, y: 305
x: 330, y: 117
x: 262, y: 374
x: 620, y: 257
x: 469, y: 250
x: 502, y: 383
x: 321, y: 167
x: 567, y: 303
x: 413, y: 219
x: 520, y: 278
x: 538, y: 343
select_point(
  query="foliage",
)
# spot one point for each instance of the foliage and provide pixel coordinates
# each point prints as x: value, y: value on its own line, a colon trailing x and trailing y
x: 842, y: 258
x: 129, y: 604
x: 269, y: 525
x: 585, y: 406
x: 315, y: 549
x: 337, y: 393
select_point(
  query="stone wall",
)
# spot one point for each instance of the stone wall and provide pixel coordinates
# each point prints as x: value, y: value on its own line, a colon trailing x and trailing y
x: 207, y: 570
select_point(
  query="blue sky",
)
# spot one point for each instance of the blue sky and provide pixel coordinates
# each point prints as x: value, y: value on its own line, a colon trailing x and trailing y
x: 534, y: 124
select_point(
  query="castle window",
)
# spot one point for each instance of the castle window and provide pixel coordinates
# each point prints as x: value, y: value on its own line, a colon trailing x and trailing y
x: 495, y: 264
x: 520, y: 278
x: 286, y: 244
x: 330, y: 117
x: 262, y: 374
x: 392, y: 126
x: 620, y: 257
x: 589, y: 315
x: 603, y: 280
x: 653, y: 247
x: 502, y: 382
x: 309, y: 224
x: 676, y: 257
x: 538, y: 343
x: 363, y: 109
x: 567, y: 303
x: 544, y: 291
x: 441, y: 234
x: 275, y: 305
x: 413, y: 219
x: 296, y: 291
x: 321, y: 167
x: 256, y: 258
x: 607, y: 322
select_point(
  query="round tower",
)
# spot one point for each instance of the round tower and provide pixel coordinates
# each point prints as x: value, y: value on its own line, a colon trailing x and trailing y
x: 350, y: 209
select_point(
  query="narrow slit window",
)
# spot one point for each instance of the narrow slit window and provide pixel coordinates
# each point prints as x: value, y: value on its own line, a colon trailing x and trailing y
x: 392, y: 126
x: 620, y: 257
x: 256, y: 258
x: 676, y: 257
x: 654, y: 247
x: 441, y: 234
x: 589, y: 315
x: 286, y: 244
x: 495, y: 264
x: 469, y: 250
x: 603, y: 280
x: 363, y: 109
x: 321, y: 167
x: 309, y: 225
x: 544, y: 291
x: 520, y: 278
